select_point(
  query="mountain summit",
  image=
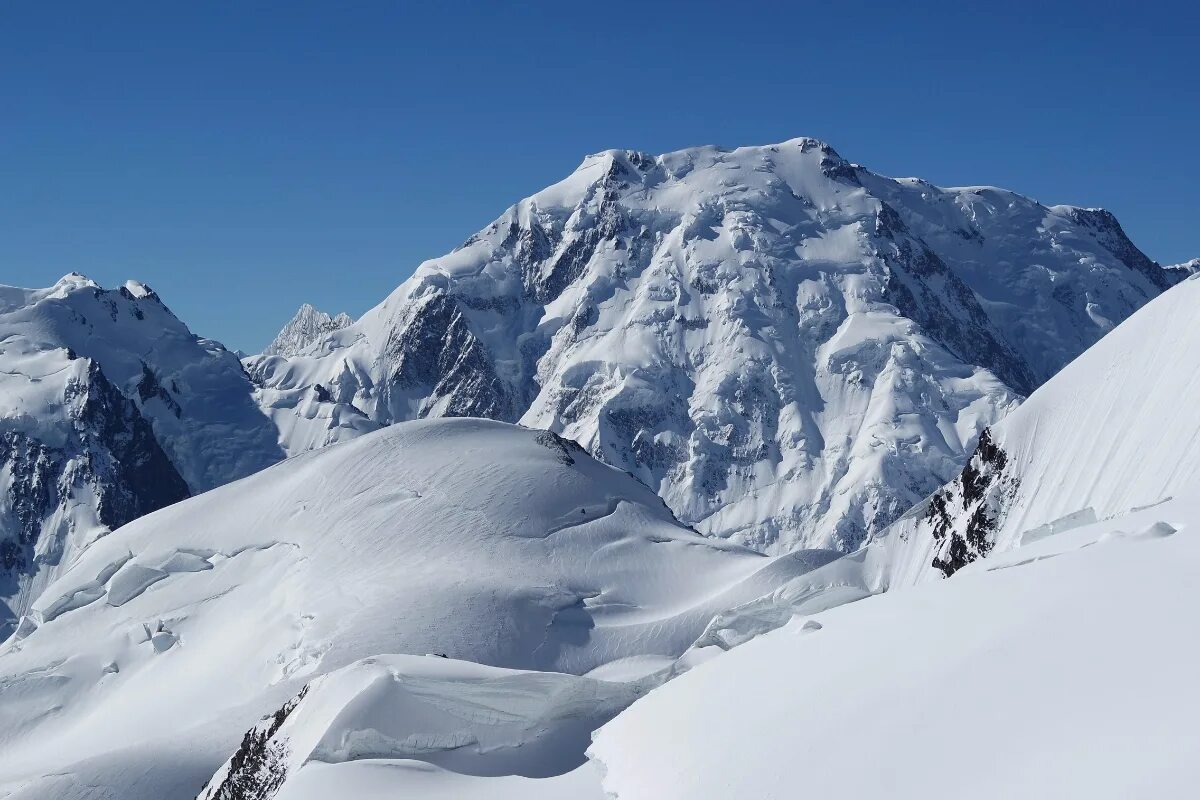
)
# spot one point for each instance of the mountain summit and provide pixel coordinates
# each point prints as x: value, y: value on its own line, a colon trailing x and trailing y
x: 110, y: 408
x: 303, y: 329
x: 790, y: 349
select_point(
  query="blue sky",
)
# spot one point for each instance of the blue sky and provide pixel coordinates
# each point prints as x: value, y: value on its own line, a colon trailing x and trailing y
x: 245, y: 157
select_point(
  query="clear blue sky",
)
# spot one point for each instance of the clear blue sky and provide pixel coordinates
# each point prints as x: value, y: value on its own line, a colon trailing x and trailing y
x: 245, y: 157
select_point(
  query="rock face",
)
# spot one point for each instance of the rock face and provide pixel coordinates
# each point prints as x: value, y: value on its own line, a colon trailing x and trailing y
x: 790, y: 349
x: 109, y: 409
x: 306, y: 327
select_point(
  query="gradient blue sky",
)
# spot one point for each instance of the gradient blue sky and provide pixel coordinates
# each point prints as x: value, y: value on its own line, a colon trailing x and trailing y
x: 245, y: 157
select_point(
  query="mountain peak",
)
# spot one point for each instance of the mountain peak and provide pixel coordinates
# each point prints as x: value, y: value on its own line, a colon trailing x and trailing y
x: 692, y: 316
x: 307, y: 326
x: 140, y: 290
x: 71, y: 282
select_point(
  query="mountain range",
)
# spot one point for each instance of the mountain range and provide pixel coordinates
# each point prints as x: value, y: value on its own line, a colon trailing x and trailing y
x: 649, y: 489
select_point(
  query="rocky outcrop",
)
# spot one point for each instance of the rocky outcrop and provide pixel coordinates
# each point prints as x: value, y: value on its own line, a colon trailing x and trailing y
x: 963, y: 515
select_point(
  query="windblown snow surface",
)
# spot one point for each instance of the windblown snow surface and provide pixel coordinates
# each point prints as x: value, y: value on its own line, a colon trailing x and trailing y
x: 790, y: 349
x: 140, y: 669
x: 1061, y: 665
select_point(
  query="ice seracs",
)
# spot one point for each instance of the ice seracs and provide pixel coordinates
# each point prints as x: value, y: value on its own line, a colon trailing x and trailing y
x: 790, y: 349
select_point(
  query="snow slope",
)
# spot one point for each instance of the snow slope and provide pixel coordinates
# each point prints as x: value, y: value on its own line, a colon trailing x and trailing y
x: 1057, y: 670
x: 1055, y: 667
x: 1116, y: 430
x: 790, y: 349
x: 141, y: 667
x: 109, y: 408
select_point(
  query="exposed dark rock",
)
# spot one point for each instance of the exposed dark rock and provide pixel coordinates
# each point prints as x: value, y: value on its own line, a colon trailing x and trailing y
x: 130, y: 472
x: 149, y: 387
x: 926, y: 291
x: 438, y: 354
x: 976, y: 498
x: 259, y: 766
x: 565, y: 449
x: 1109, y: 232
x: 111, y: 454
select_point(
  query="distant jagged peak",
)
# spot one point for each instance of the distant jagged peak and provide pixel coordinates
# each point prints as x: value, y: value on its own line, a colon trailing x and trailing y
x: 307, y: 326
x: 1191, y: 267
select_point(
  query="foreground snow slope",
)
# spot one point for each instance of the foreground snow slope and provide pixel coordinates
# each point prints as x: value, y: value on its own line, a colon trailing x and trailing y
x: 141, y: 667
x: 1060, y: 670
x: 109, y: 408
x: 1116, y: 430
x: 1055, y: 667
x: 790, y: 349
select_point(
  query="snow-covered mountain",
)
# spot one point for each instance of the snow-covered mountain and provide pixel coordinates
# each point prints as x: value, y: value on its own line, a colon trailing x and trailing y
x: 109, y: 409
x: 302, y: 330
x: 790, y: 349
x: 1061, y: 665
x: 141, y: 668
